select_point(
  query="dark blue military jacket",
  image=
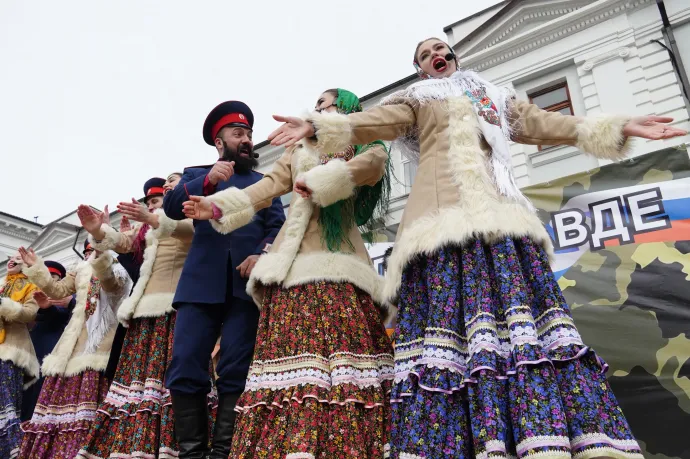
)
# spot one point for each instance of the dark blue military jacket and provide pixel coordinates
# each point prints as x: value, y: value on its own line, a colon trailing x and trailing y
x: 211, y: 265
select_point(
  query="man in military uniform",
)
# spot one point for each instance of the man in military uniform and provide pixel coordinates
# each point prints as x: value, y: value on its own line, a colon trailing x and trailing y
x: 211, y: 299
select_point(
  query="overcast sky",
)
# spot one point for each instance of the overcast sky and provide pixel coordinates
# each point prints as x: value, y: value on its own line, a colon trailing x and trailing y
x: 97, y: 97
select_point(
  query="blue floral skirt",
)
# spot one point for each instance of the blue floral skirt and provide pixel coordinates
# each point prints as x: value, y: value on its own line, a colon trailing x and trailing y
x: 11, y: 385
x: 489, y: 363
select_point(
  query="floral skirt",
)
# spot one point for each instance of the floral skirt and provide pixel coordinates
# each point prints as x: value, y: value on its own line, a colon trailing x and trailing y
x: 319, y: 385
x: 11, y: 384
x: 489, y: 364
x: 65, y: 411
x: 136, y: 420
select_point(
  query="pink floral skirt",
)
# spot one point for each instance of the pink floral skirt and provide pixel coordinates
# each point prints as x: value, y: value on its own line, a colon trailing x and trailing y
x: 65, y: 411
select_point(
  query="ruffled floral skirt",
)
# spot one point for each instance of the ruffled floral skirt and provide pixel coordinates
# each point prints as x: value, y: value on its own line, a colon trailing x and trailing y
x: 489, y: 364
x: 11, y: 383
x: 319, y: 385
x: 136, y: 418
x: 65, y: 411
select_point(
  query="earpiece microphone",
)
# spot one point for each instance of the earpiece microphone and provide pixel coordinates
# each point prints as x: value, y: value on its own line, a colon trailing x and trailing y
x: 450, y: 56
x: 255, y: 155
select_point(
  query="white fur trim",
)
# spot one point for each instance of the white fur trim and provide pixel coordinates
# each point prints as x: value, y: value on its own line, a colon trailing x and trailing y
x: 330, y: 183
x: 481, y: 213
x: 602, y: 136
x: 314, y: 267
x: 154, y: 305
x: 110, y: 240
x: 22, y: 359
x: 130, y: 305
x: 101, y: 264
x: 236, y: 207
x: 95, y: 361
x: 333, y: 131
x: 166, y: 225
x: 10, y: 309
x: 38, y: 274
x: 55, y: 363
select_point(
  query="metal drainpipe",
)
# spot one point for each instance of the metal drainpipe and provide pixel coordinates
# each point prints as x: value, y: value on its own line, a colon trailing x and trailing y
x: 674, y: 53
x: 76, y: 238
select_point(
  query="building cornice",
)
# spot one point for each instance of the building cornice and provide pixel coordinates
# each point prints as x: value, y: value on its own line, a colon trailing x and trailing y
x: 26, y: 235
x: 524, y: 17
x: 552, y: 31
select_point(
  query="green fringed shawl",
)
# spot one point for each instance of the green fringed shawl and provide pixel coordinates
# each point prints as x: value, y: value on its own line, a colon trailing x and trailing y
x: 367, y: 208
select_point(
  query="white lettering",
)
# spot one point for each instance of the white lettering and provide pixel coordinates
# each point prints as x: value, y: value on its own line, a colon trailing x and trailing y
x: 569, y: 228
x: 608, y: 223
x: 646, y: 210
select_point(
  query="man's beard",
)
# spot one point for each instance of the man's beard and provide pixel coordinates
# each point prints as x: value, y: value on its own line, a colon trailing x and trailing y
x: 243, y: 164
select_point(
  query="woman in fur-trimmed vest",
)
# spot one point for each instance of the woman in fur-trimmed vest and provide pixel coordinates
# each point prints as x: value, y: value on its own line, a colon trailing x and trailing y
x: 320, y: 379
x: 136, y: 417
x: 488, y: 362
x: 18, y: 362
x: 74, y: 383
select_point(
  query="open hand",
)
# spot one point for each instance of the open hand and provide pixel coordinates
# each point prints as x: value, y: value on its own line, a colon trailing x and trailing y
x: 198, y: 208
x: 63, y: 303
x: 125, y: 225
x: 221, y: 172
x: 292, y: 131
x: 29, y: 257
x: 135, y: 211
x: 42, y: 299
x: 246, y: 267
x: 91, y: 220
x: 652, y: 127
x: 301, y: 188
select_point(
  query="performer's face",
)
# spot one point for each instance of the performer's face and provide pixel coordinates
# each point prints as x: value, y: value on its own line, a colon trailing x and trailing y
x: 326, y: 103
x: 14, y: 265
x: 55, y: 277
x: 171, y: 182
x: 154, y: 203
x: 236, y: 145
x: 431, y: 57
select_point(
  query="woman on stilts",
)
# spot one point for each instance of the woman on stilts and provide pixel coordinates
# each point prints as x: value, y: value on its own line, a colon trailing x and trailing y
x: 319, y: 384
x: 75, y: 383
x: 136, y: 417
x: 488, y: 362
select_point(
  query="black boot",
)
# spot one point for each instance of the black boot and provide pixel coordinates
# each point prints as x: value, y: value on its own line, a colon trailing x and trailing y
x: 225, y: 426
x: 191, y: 424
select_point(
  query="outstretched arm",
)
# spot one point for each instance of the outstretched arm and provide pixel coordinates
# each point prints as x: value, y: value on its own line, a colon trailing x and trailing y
x: 335, y: 132
x: 38, y: 274
x: 605, y: 137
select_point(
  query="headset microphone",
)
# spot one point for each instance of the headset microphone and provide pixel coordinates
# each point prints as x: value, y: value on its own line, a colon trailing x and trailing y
x: 255, y: 155
x: 450, y: 56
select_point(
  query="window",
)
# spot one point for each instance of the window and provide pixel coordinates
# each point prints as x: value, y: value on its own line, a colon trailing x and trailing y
x: 555, y: 98
x: 409, y: 171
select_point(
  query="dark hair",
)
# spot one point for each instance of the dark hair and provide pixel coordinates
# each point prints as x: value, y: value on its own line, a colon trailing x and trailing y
x: 416, y: 50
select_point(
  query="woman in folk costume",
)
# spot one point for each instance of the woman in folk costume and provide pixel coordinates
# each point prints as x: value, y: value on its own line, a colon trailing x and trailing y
x: 74, y: 383
x: 51, y: 320
x: 488, y: 361
x: 319, y: 384
x: 136, y: 418
x: 18, y: 363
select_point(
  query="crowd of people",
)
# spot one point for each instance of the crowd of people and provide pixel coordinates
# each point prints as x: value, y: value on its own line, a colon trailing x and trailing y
x: 113, y: 359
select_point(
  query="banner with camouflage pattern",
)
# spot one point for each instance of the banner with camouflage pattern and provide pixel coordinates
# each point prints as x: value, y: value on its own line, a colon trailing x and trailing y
x: 621, y: 235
